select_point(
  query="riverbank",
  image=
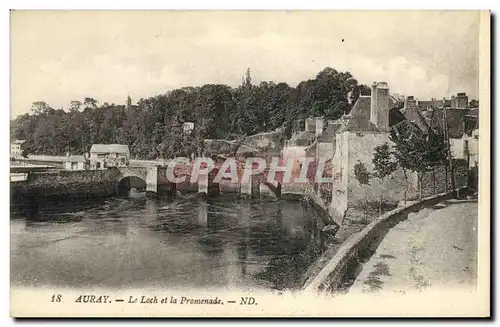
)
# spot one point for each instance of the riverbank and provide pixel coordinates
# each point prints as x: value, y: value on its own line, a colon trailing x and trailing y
x: 60, y: 188
x: 185, y: 241
x: 354, y: 222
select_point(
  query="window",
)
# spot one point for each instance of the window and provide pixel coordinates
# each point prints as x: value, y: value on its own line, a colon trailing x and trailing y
x: 98, y: 165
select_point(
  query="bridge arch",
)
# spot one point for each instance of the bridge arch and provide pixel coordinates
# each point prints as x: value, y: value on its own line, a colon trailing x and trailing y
x: 126, y: 183
x: 139, y: 172
x: 129, y: 182
x: 152, y: 176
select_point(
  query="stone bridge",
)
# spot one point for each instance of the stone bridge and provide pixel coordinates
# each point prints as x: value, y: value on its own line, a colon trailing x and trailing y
x: 156, y: 181
x: 149, y: 174
x: 153, y: 175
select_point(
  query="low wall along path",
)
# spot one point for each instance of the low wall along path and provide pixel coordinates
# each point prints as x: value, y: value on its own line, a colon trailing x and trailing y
x: 364, y: 243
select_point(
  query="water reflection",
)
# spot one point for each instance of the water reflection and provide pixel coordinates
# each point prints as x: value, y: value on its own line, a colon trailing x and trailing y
x: 186, y: 241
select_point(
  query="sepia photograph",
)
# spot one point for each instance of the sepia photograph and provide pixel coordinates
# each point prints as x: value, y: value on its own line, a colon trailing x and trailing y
x: 249, y: 163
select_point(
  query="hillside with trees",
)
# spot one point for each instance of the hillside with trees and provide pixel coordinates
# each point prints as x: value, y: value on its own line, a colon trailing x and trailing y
x: 153, y: 127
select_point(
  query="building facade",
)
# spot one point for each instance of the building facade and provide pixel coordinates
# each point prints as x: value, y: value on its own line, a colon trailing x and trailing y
x: 366, y: 127
x: 103, y: 156
x: 187, y: 127
x: 76, y: 163
x: 466, y: 148
x: 16, y: 151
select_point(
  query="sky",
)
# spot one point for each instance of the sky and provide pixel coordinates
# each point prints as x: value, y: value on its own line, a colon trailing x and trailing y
x: 59, y: 56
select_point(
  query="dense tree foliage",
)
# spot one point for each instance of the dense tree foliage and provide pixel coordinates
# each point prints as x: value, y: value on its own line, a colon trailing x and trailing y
x: 418, y: 152
x: 153, y: 127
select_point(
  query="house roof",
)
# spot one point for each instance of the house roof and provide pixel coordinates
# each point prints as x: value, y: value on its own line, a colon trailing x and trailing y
x: 413, y: 115
x: 19, y: 141
x: 109, y: 148
x: 473, y: 112
x: 455, y: 119
x: 446, y: 102
x: 360, y: 116
x: 424, y: 104
x: 307, y: 135
x: 302, y: 138
x: 395, y: 116
x: 406, y: 125
x: 76, y: 158
x: 329, y: 132
x: 471, y: 122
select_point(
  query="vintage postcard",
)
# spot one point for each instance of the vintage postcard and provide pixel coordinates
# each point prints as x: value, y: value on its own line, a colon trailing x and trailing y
x: 250, y: 163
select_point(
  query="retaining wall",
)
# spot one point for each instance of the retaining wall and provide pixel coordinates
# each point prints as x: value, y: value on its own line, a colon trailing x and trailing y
x: 65, y: 183
x: 437, y: 178
x: 332, y: 274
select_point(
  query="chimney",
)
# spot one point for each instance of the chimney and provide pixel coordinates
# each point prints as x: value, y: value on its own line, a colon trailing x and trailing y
x: 453, y: 102
x: 373, y: 102
x: 379, y: 108
x: 410, y: 102
x: 310, y: 125
x: 462, y: 100
x: 319, y: 126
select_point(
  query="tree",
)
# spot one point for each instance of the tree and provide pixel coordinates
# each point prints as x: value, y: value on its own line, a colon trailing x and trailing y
x: 436, y: 154
x: 90, y: 103
x: 75, y: 105
x: 417, y: 152
x: 218, y: 112
x: 363, y: 177
x: 384, y: 165
x: 40, y: 108
x: 331, y: 94
x: 247, y: 81
x: 407, y: 150
x: 129, y: 102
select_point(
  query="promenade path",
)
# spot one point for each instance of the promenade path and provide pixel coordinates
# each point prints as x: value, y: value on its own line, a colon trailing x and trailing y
x: 434, y: 248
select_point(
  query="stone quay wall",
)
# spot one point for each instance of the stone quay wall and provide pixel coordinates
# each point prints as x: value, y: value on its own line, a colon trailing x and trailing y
x: 85, y: 183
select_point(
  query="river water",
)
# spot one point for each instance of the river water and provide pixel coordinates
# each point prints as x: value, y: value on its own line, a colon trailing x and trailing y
x: 186, y: 242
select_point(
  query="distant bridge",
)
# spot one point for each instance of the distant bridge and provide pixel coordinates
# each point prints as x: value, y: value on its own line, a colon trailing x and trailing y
x: 153, y: 175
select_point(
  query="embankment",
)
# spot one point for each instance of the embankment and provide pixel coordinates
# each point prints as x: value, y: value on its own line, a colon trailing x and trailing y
x: 364, y: 243
x: 64, y: 184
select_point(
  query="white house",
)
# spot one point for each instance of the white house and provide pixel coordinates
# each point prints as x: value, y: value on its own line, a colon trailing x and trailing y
x: 15, y: 149
x: 466, y: 147
x: 75, y: 163
x: 109, y: 155
x: 187, y: 127
x: 473, y: 146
